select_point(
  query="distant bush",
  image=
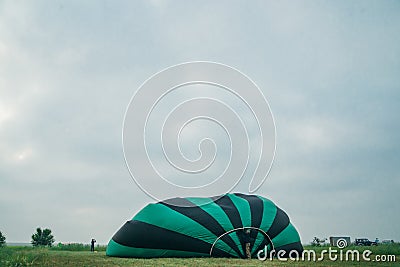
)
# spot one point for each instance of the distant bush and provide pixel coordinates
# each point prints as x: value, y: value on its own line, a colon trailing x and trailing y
x: 2, y: 240
x: 76, y: 247
x: 42, y: 238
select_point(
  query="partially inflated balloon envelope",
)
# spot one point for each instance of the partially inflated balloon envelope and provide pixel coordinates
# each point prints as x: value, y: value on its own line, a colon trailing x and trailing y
x: 232, y: 225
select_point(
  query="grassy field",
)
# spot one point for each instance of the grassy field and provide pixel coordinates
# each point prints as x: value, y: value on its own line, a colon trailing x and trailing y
x: 28, y: 256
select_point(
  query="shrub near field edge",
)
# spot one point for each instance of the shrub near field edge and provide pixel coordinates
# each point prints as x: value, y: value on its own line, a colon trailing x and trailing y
x: 77, y: 247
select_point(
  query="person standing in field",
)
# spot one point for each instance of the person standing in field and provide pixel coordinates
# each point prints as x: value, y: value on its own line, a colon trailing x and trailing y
x: 92, y: 244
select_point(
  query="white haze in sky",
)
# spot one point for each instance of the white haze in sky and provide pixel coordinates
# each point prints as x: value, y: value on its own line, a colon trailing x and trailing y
x: 329, y: 69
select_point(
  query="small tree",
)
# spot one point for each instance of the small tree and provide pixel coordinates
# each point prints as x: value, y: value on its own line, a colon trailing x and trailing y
x: 317, y: 242
x: 42, y: 237
x: 2, y: 240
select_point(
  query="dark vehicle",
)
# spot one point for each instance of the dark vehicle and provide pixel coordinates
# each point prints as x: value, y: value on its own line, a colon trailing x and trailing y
x: 364, y: 242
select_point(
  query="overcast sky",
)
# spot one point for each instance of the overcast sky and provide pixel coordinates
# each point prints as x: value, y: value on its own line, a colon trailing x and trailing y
x: 329, y: 69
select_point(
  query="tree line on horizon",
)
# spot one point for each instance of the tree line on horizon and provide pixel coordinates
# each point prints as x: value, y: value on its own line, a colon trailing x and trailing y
x: 41, y: 238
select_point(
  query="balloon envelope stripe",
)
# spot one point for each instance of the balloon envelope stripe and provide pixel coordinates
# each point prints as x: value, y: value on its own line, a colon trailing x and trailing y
x: 230, y: 210
x: 281, y: 221
x: 256, y: 211
x: 286, y: 236
x: 143, y: 235
x: 167, y: 218
x: 200, y: 216
x: 227, y: 205
x: 219, y: 214
x: 297, y: 246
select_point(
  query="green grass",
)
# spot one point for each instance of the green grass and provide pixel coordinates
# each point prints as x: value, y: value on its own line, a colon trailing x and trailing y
x: 28, y: 256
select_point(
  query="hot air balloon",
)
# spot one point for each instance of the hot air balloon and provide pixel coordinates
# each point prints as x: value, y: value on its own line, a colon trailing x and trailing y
x: 232, y: 225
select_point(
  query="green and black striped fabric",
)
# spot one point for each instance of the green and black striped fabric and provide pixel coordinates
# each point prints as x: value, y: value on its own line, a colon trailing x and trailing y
x: 234, y: 225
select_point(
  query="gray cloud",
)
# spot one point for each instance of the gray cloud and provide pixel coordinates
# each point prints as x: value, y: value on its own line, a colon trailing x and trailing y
x: 328, y: 69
